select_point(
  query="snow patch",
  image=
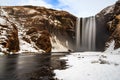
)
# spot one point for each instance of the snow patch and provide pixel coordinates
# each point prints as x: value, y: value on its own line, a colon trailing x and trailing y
x: 109, y: 9
x: 3, y: 49
x: 111, y: 50
x: 32, y: 11
x: 26, y: 47
x: 57, y: 46
x: 2, y: 21
x: 1, y: 53
x: 111, y: 46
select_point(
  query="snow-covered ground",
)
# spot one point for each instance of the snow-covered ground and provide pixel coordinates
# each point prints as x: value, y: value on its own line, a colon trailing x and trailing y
x: 90, y: 66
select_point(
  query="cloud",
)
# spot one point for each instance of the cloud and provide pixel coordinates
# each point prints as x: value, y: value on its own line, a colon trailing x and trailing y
x: 84, y: 7
x: 7, y: 2
x: 35, y: 3
x: 25, y: 2
x: 77, y: 7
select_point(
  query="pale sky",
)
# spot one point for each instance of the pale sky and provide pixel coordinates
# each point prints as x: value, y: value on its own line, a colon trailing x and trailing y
x: 80, y: 8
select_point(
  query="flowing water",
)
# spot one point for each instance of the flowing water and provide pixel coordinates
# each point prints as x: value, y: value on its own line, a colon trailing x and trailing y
x: 86, y: 34
x: 30, y: 67
x: 78, y: 34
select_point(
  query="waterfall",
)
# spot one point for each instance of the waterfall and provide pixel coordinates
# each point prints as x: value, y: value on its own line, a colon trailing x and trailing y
x: 86, y: 34
x: 77, y: 34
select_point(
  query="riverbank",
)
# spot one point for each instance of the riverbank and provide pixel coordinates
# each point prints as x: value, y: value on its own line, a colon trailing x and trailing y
x: 90, y: 66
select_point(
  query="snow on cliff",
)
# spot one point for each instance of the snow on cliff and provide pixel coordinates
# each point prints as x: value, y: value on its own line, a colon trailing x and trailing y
x: 26, y: 47
x: 110, y: 49
x: 57, y: 46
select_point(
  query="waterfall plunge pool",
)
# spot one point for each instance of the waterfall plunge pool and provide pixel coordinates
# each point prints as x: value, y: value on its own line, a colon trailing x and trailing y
x: 31, y: 66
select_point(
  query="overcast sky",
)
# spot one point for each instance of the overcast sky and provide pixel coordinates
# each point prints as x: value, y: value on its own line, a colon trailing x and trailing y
x: 80, y: 8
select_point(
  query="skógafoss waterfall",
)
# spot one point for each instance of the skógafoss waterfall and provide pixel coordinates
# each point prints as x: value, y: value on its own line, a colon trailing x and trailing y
x: 86, y: 34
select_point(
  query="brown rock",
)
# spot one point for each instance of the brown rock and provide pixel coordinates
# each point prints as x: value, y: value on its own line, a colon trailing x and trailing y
x: 108, y: 22
x: 35, y: 20
x: 115, y: 31
x: 43, y: 42
x: 10, y: 40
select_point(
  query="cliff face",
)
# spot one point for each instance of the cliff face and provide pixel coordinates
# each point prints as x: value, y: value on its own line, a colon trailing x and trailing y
x: 114, y: 26
x: 102, y: 33
x: 108, y: 26
x: 40, y: 27
x: 9, y: 41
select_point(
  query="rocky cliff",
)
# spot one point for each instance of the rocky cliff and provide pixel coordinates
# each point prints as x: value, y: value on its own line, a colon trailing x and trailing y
x: 114, y: 26
x: 9, y: 41
x: 102, y: 32
x: 108, y: 26
x: 37, y: 28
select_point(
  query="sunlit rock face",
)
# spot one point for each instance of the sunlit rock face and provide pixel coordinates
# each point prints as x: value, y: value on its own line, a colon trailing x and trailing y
x: 34, y: 22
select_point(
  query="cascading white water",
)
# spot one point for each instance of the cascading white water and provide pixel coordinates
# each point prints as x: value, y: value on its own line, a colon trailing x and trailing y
x: 86, y: 34
x: 78, y: 34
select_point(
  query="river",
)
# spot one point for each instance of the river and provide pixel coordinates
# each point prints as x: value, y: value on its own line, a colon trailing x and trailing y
x: 30, y: 67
